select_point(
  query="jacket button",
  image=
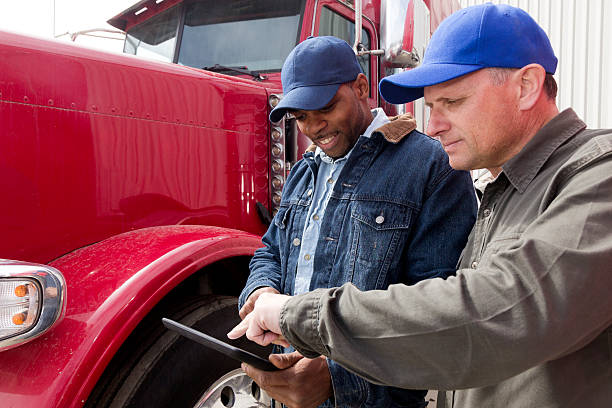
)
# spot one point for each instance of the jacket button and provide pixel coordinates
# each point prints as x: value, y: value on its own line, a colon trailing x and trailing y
x: 330, y: 180
x: 315, y: 217
x: 296, y: 241
x: 486, y: 212
x: 309, y: 192
x: 307, y: 257
x: 474, y: 265
x: 380, y: 219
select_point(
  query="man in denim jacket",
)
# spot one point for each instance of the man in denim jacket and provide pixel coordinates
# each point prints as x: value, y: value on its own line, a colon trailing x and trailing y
x: 373, y: 202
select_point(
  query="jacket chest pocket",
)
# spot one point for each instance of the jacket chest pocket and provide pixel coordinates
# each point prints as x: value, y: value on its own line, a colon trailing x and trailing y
x: 379, y: 234
x: 290, y: 213
x: 288, y: 226
x: 283, y: 221
x: 281, y: 218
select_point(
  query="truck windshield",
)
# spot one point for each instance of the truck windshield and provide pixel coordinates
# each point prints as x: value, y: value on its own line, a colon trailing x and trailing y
x: 256, y: 34
x: 155, y: 38
x: 248, y: 34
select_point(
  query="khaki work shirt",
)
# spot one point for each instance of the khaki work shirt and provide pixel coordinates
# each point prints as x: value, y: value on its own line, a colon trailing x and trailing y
x: 527, y: 321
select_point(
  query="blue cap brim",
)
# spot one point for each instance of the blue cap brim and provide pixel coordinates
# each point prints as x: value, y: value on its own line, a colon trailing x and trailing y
x: 304, y: 98
x: 408, y: 86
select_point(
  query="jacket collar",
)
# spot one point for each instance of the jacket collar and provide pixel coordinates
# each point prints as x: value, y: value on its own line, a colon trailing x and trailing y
x: 397, y: 128
x: 393, y: 131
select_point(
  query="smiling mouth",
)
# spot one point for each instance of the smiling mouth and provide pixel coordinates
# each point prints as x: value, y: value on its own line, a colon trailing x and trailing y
x: 326, y: 140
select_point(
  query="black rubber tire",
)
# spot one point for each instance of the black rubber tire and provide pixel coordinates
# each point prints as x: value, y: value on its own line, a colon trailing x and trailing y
x: 157, y: 368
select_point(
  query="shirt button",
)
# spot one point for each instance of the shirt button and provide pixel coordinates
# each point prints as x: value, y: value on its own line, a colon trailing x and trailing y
x: 296, y: 241
x: 307, y: 257
x: 486, y: 212
x: 380, y: 219
x: 474, y: 265
x: 309, y: 192
x: 330, y: 180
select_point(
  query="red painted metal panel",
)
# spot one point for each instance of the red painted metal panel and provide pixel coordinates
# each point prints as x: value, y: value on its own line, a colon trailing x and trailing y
x: 111, y: 287
x: 97, y: 144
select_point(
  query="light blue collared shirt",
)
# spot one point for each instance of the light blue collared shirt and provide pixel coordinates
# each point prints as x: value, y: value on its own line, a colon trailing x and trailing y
x: 329, y: 170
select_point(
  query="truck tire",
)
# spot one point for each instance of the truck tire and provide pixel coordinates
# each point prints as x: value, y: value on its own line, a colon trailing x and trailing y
x: 157, y: 368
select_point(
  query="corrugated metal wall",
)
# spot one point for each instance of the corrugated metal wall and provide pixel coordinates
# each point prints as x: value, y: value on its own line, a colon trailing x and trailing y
x: 581, y: 35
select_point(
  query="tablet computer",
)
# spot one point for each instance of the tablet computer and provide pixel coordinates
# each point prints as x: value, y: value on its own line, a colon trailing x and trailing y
x: 220, y: 346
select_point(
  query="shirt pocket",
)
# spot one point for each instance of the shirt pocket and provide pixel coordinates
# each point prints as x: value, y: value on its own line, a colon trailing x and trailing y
x: 495, y: 246
x: 379, y: 234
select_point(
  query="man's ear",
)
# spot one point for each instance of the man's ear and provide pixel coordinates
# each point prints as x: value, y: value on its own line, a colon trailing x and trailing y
x: 531, y: 79
x: 361, y: 86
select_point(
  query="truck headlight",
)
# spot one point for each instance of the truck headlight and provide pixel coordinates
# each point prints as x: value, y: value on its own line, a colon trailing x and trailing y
x: 32, y: 300
x: 19, y: 306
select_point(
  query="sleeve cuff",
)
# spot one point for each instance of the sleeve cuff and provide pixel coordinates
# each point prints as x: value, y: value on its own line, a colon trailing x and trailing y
x: 299, y: 323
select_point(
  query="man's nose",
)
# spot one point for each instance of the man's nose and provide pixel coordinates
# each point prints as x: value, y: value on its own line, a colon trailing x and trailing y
x: 314, y: 124
x: 437, y: 124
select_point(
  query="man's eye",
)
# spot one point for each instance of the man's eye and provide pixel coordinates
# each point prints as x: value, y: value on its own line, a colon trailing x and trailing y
x: 453, y: 101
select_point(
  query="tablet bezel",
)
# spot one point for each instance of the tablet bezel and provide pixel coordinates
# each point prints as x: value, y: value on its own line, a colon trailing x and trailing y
x: 220, y: 346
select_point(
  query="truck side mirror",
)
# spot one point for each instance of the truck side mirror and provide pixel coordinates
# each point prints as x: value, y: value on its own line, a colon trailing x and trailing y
x: 404, y: 32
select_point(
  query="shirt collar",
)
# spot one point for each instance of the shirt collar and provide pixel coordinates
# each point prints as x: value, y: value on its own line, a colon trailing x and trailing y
x: 523, y: 167
x: 379, y: 119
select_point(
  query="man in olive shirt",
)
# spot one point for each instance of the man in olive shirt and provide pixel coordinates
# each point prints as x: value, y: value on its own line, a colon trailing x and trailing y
x: 527, y: 321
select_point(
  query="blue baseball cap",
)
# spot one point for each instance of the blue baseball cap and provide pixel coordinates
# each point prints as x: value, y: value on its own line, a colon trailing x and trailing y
x: 470, y: 39
x: 313, y: 72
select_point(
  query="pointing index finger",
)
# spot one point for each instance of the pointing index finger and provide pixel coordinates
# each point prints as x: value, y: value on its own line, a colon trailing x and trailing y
x: 240, y: 329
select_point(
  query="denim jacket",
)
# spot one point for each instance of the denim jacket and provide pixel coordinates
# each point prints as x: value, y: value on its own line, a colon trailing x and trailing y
x: 398, y: 214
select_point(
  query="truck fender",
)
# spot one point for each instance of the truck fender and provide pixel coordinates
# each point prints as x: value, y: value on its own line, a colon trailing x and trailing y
x: 111, y: 286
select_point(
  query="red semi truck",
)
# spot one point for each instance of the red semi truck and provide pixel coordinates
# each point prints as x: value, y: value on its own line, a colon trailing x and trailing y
x: 138, y: 188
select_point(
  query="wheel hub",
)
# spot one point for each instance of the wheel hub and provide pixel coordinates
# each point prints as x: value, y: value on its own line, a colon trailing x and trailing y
x: 234, y: 390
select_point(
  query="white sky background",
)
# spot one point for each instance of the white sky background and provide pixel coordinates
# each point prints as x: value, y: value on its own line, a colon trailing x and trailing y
x: 35, y: 17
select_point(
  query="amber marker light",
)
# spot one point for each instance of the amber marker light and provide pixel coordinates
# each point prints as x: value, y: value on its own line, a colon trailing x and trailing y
x: 21, y: 291
x: 19, y: 306
x: 19, y: 319
x: 32, y: 300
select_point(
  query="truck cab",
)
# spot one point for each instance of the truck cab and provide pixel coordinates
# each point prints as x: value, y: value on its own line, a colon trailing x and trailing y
x: 137, y: 187
x: 253, y: 36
